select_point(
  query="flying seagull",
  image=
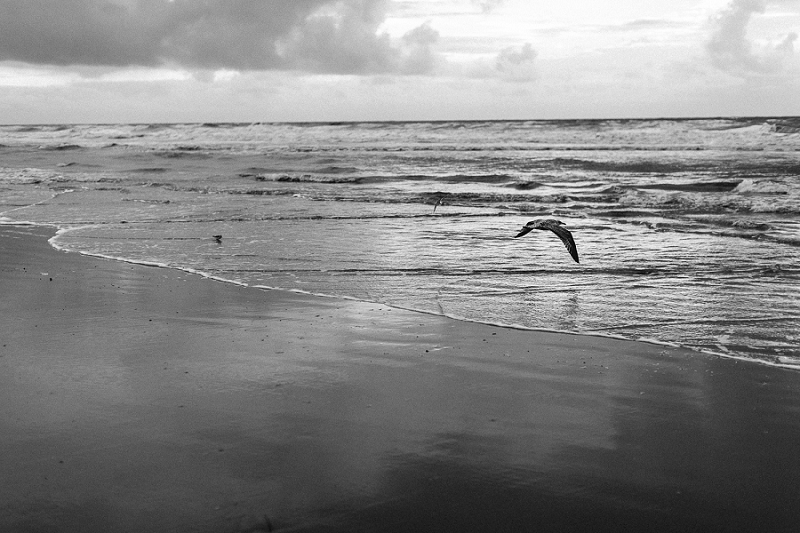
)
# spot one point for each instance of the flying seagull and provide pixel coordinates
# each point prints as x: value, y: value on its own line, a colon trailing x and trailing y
x: 554, y: 226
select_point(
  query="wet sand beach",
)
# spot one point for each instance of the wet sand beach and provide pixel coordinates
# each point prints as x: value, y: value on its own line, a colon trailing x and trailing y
x: 137, y: 398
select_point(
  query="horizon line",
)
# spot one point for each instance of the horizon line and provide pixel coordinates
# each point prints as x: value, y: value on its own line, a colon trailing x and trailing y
x: 415, y: 121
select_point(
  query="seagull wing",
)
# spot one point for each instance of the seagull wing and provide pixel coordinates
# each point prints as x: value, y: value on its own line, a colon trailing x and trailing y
x: 524, y: 231
x: 566, y: 238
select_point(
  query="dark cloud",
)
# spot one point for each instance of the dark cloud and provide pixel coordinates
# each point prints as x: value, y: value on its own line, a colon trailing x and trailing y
x: 731, y: 51
x: 341, y: 41
x: 216, y: 33
x: 312, y: 35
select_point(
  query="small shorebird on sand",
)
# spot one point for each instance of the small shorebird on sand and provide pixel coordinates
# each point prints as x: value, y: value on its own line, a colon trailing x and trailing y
x: 553, y: 225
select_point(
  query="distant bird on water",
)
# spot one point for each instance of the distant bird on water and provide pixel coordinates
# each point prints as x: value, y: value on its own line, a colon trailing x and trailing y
x: 553, y: 225
x: 218, y: 238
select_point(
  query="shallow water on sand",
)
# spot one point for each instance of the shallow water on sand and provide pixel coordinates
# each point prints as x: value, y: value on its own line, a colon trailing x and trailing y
x: 687, y: 229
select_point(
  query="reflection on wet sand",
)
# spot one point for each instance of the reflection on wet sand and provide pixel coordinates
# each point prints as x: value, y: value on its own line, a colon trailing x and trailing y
x: 139, y: 398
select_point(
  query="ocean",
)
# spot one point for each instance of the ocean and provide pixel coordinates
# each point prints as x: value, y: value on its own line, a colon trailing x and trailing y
x: 687, y: 230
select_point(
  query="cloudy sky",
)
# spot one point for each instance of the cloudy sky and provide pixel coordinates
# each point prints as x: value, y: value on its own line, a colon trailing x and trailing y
x: 328, y: 60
